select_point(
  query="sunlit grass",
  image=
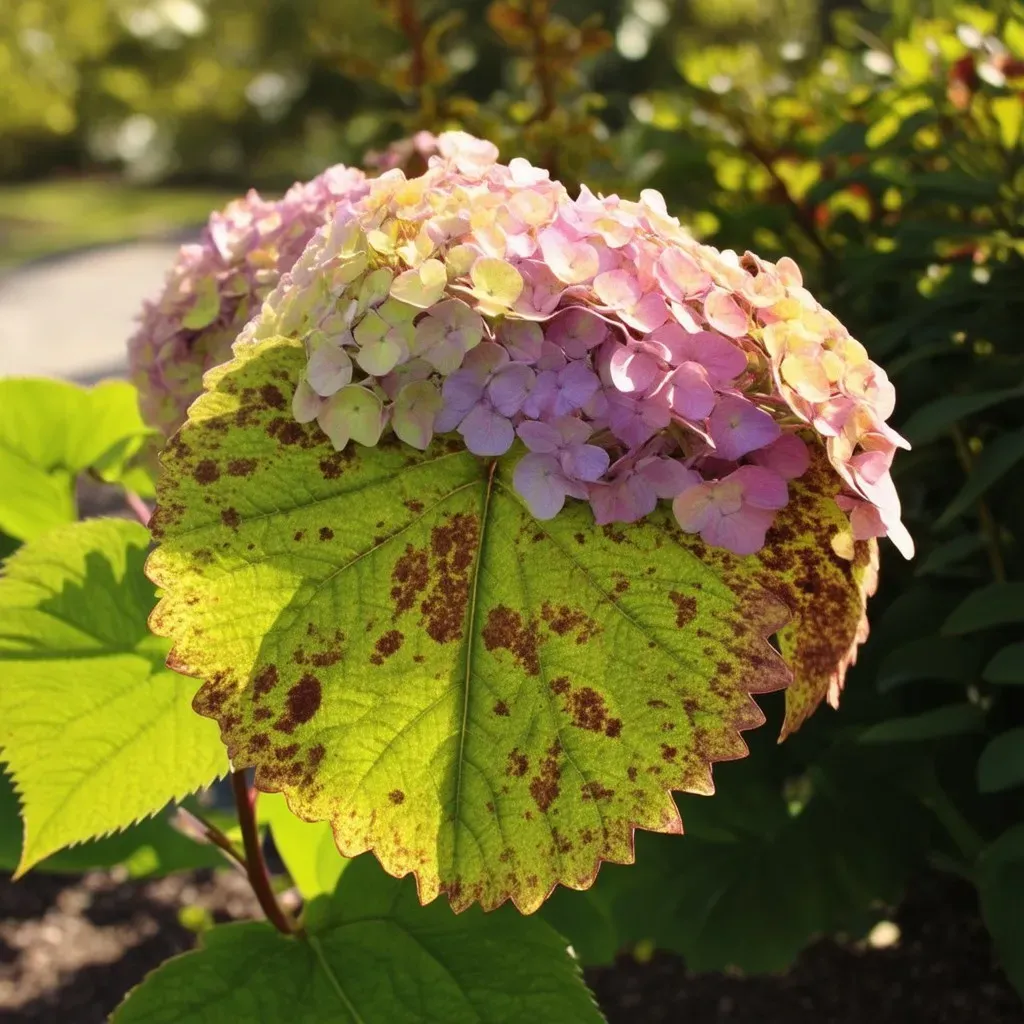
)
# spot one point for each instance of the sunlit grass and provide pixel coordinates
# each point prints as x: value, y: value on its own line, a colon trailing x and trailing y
x: 51, y: 217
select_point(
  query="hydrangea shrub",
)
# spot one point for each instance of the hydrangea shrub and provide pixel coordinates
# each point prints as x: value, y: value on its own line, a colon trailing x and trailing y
x: 513, y: 489
x: 218, y: 283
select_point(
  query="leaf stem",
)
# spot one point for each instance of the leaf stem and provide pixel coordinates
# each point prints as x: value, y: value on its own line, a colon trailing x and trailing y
x: 138, y: 506
x: 214, y: 835
x: 255, y: 866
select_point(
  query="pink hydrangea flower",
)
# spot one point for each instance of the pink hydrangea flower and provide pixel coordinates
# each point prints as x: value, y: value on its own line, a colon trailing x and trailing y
x: 219, y: 283
x: 633, y: 364
x: 734, y: 512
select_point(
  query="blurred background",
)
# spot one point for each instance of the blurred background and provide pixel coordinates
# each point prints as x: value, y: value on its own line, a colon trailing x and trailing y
x: 878, y: 143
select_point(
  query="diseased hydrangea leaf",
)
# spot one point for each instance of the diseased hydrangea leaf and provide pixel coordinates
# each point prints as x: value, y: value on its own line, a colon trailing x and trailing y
x: 393, y: 642
x: 370, y: 954
x: 97, y: 734
x: 812, y: 563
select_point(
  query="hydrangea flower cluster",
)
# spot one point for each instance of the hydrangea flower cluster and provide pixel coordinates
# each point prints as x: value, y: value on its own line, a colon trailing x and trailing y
x: 632, y: 363
x: 217, y: 285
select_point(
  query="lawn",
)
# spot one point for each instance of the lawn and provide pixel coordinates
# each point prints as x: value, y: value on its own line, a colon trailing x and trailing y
x: 50, y: 217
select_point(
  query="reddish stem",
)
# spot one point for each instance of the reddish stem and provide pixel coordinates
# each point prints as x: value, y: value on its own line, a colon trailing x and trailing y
x: 255, y: 866
x: 138, y: 506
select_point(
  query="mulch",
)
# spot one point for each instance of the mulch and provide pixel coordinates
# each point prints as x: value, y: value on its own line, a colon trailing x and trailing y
x: 70, y: 948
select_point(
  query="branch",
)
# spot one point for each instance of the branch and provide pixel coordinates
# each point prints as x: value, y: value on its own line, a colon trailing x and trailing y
x: 537, y: 13
x: 803, y: 218
x: 412, y: 28
x: 255, y: 866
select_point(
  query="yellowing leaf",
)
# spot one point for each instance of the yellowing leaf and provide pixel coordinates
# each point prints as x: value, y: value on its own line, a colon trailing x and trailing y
x: 394, y: 643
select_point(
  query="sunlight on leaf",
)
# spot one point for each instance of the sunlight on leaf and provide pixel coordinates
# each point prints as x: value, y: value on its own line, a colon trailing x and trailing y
x: 96, y: 733
x: 488, y: 701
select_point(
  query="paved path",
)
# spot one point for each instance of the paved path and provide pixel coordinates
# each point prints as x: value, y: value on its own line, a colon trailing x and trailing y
x: 70, y: 317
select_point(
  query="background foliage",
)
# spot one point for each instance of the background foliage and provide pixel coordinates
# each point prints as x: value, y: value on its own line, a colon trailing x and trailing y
x: 880, y: 146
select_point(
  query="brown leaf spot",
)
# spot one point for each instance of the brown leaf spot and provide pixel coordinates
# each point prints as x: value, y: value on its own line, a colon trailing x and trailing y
x: 453, y: 547
x: 206, y: 472
x: 265, y: 681
x: 326, y: 533
x: 559, y: 685
x: 410, y: 577
x: 595, y: 791
x: 505, y: 630
x: 562, y: 845
x: 518, y: 764
x: 668, y: 753
x: 587, y: 709
x: 561, y: 619
x: 396, y: 796
x: 303, y: 702
x: 286, y: 753
x: 544, y: 786
x: 315, y: 755
x: 686, y: 608
x: 501, y: 709
x: 415, y: 507
x: 332, y: 466
x: 272, y: 396
x: 261, y: 714
x: 230, y: 517
x: 287, y: 432
x: 613, y: 728
x: 241, y: 467
x: 387, y: 645
x: 299, y: 534
x: 259, y: 741
x: 324, y: 659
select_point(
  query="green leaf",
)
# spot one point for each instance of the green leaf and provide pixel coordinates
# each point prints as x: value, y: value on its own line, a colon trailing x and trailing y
x: 152, y: 847
x: 588, y: 919
x: 994, y: 462
x: 1009, y: 114
x: 883, y: 130
x: 307, y: 848
x: 949, y: 554
x: 371, y: 954
x: 948, y: 720
x: 1001, y: 893
x: 1001, y: 764
x: 97, y: 733
x: 933, y: 419
x: 994, y: 605
x: 51, y: 431
x: 914, y: 61
x: 1007, y: 667
x: 394, y: 643
x: 729, y: 896
x: 932, y: 658
x: 1007, y: 848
